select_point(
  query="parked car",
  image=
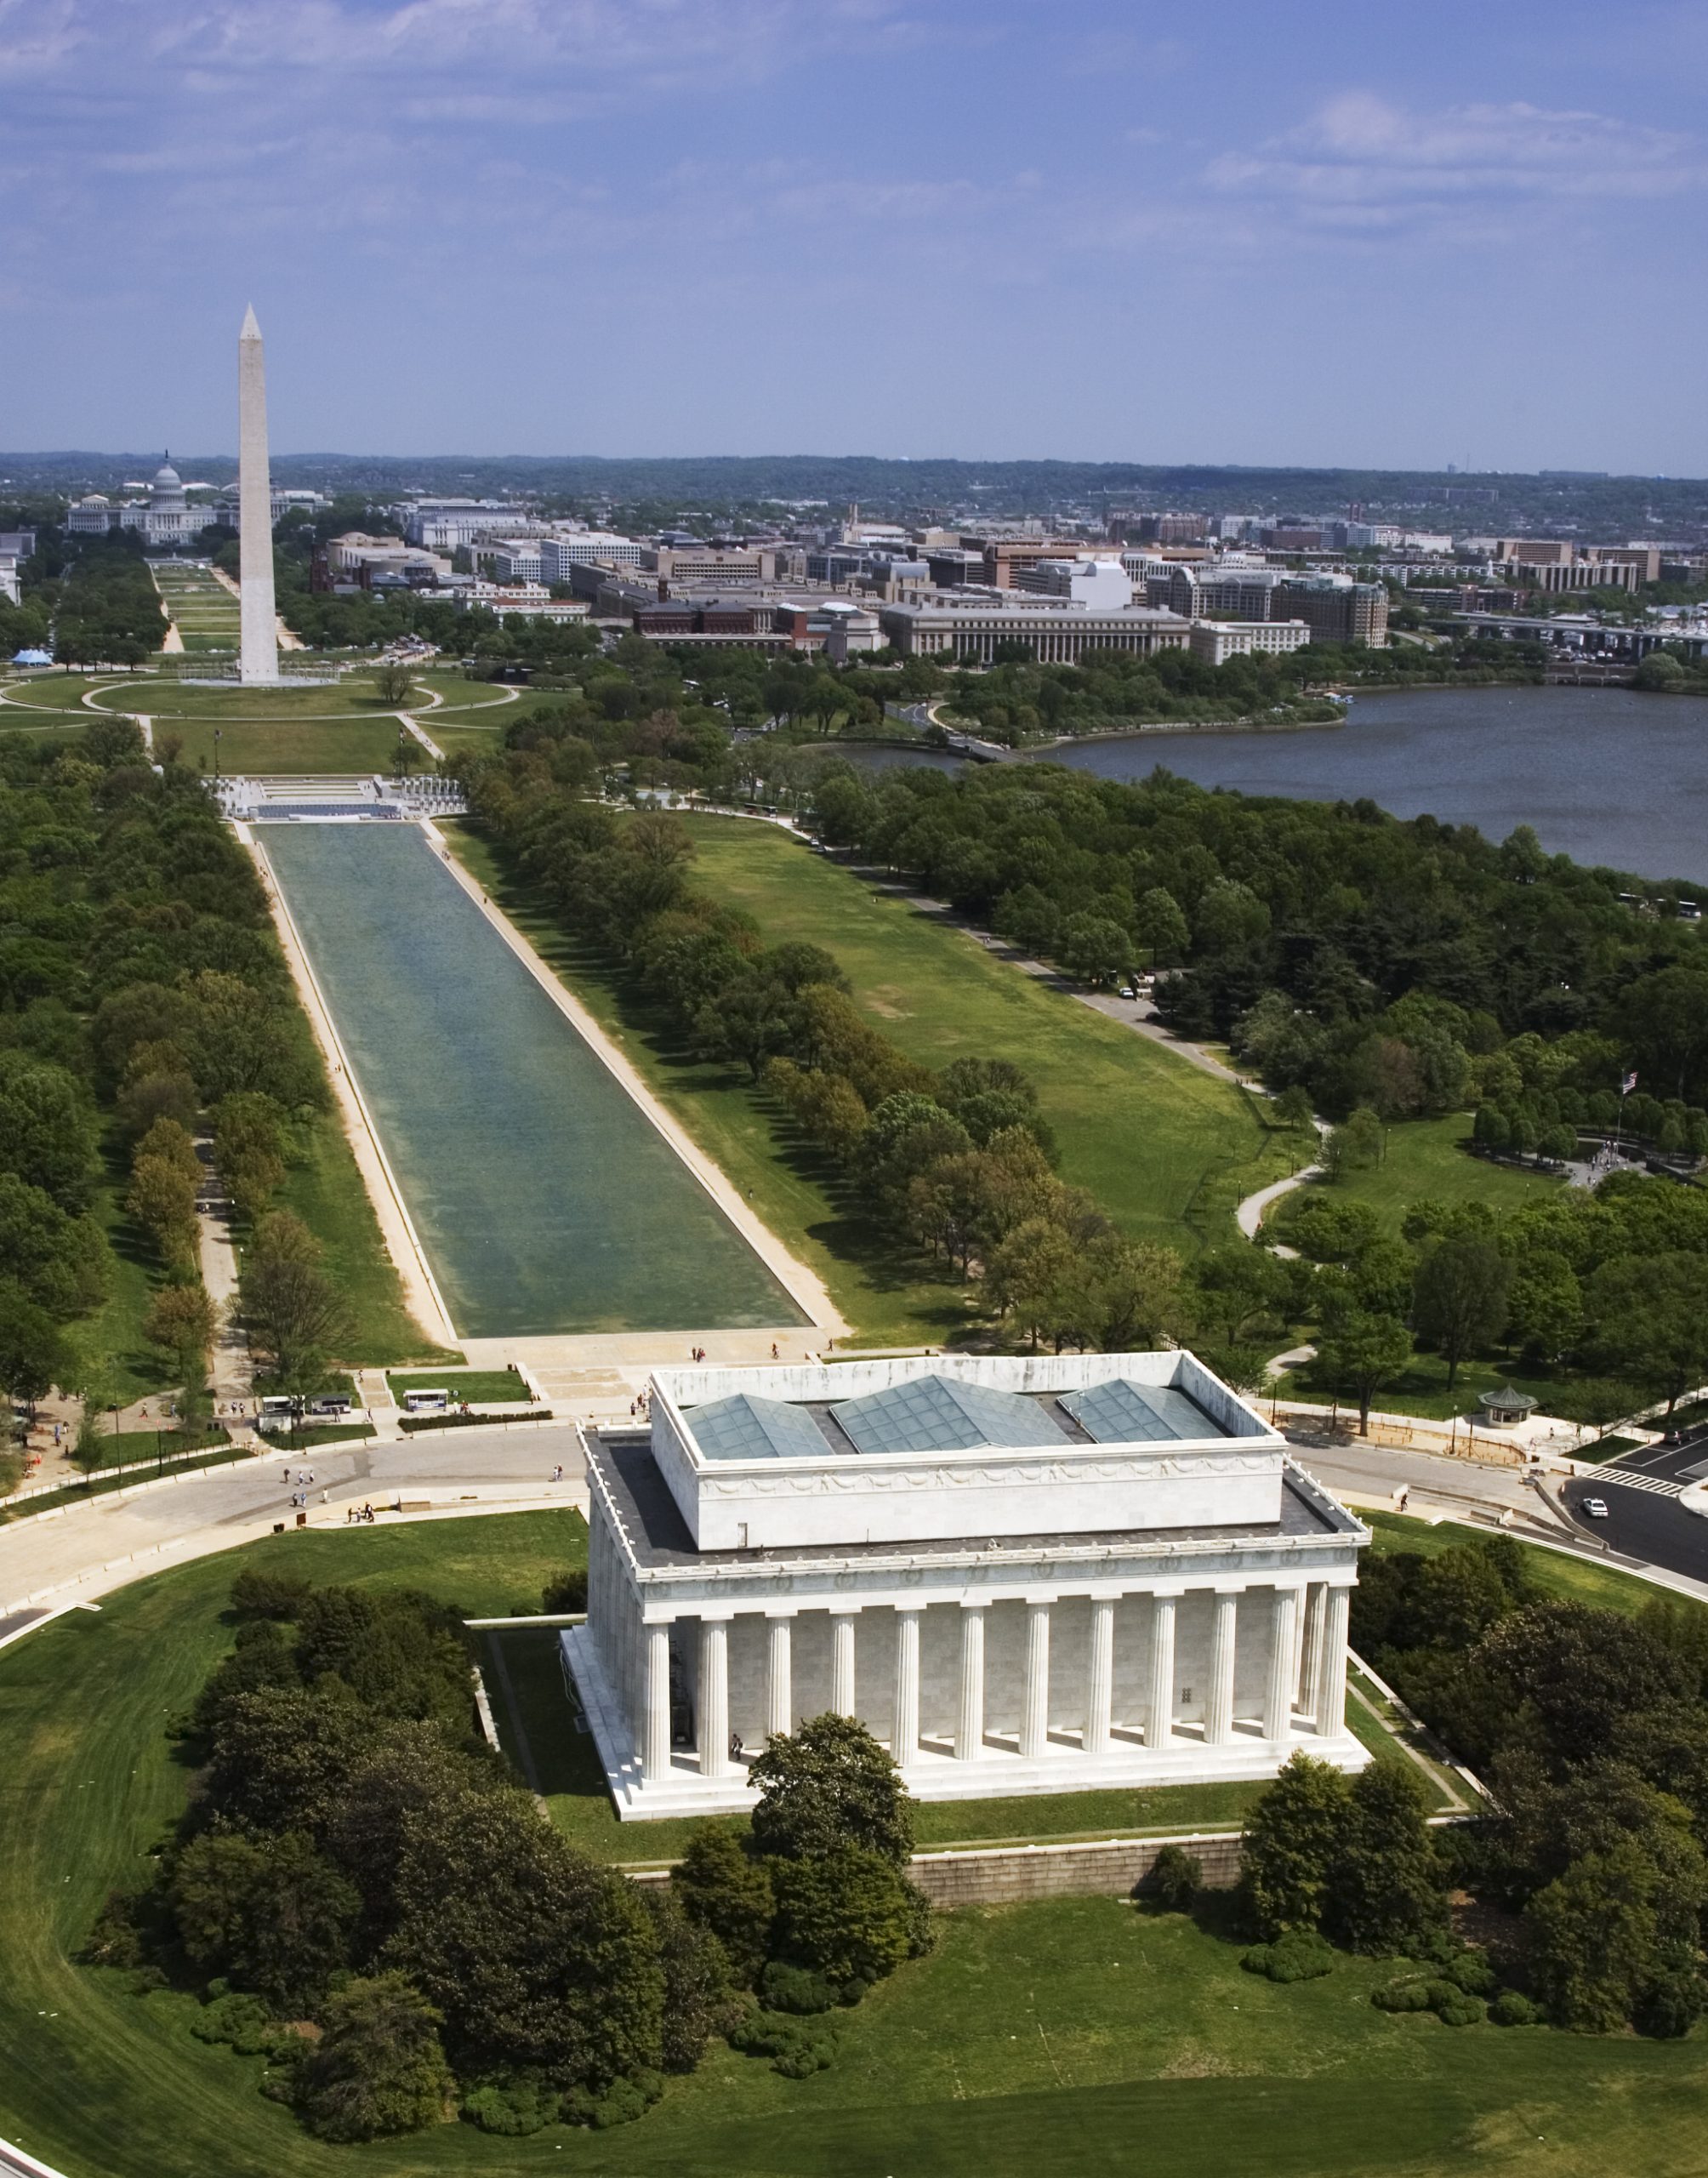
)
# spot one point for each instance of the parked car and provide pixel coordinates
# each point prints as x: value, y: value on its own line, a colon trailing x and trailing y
x: 1596, y: 1507
x: 1127, y: 991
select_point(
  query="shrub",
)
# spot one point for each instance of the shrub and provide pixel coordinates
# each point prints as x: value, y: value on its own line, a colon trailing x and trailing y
x: 564, y: 1592
x: 1298, y: 1957
x: 795, y: 2048
x: 1464, y: 2011
x: 621, y: 2103
x: 1176, y: 1878
x: 828, y: 1784
x: 1670, y: 2005
x: 241, y: 2022
x: 520, y: 2104
x: 1472, y: 1974
x: 259, y: 1594
x: 1512, y: 2009
x: 784, y: 1987
x: 1401, y: 1996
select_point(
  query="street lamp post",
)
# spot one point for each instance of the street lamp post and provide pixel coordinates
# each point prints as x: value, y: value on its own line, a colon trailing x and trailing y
x: 216, y: 756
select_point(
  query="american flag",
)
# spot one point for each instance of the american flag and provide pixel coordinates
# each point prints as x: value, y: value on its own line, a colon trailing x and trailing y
x: 1627, y: 1085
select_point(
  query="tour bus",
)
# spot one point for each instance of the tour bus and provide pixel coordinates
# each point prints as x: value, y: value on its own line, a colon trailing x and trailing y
x: 429, y: 1400
x: 333, y: 1405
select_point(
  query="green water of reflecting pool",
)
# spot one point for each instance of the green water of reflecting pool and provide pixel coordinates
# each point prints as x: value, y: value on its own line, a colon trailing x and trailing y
x: 545, y: 1200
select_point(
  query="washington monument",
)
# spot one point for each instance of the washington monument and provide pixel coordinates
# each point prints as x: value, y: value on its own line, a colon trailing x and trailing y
x: 260, y: 649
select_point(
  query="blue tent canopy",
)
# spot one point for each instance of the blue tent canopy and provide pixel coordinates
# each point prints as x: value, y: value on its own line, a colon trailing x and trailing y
x: 32, y: 657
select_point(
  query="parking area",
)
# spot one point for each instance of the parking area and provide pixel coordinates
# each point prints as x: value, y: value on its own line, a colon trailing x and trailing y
x: 1644, y: 1518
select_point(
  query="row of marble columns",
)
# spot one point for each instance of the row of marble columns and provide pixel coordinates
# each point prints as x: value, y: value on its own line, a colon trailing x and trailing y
x: 1307, y: 1670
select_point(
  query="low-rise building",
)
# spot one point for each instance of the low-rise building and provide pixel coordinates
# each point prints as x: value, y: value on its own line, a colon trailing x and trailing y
x: 1055, y: 634
x: 1032, y: 1574
x: 582, y: 548
x: 1104, y: 584
x: 1217, y: 640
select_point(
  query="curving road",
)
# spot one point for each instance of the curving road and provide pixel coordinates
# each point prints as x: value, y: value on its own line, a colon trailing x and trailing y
x: 49, y: 1559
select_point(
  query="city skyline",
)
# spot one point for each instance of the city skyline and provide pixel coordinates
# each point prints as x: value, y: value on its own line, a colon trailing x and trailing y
x: 868, y: 226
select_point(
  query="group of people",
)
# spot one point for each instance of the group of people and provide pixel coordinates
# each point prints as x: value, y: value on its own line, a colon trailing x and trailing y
x: 352, y: 1516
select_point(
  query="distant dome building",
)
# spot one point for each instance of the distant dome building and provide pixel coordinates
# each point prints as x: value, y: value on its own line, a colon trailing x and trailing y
x: 165, y: 517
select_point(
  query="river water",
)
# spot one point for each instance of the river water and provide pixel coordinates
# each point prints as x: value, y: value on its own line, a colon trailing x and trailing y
x: 1605, y: 775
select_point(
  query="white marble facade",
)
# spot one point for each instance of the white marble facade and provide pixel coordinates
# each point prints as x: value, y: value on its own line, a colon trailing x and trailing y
x: 1088, y: 1614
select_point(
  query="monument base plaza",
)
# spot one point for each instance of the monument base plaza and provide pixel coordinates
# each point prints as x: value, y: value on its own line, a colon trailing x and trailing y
x: 1042, y: 1574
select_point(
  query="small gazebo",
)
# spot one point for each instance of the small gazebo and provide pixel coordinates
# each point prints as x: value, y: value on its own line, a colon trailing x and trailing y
x: 1505, y: 1408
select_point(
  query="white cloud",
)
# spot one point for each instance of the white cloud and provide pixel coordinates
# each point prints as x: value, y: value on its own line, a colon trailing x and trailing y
x: 1362, y: 163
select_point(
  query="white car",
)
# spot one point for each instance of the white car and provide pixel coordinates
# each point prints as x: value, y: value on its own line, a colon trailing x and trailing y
x: 1595, y: 1508
x: 1127, y: 991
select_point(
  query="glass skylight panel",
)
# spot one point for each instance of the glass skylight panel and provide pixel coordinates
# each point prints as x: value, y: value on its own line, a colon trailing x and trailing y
x: 1122, y: 1412
x: 935, y: 1414
x: 744, y: 1427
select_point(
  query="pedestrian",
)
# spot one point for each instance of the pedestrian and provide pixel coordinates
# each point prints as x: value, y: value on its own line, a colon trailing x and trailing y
x: 323, y: 1496
x: 735, y: 1746
x: 312, y: 1477
x: 773, y: 1349
x: 286, y: 1476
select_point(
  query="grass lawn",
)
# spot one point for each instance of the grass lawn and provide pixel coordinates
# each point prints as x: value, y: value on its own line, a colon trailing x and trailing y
x: 1166, y: 1148
x: 463, y: 1383
x: 350, y: 745
x: 1074, y: 2039
x: 57, y: 692
x: 166, y: 696
x: 110, y: 1344
x: 1427, y: 1158
x: 323, y: 1186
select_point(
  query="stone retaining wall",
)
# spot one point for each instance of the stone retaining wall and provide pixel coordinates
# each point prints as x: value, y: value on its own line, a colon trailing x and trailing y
x: 1110, y: 1868
x: 1011, y: 1875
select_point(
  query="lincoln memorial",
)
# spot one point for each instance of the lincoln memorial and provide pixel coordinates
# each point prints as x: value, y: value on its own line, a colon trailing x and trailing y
x: 1023, y: 1574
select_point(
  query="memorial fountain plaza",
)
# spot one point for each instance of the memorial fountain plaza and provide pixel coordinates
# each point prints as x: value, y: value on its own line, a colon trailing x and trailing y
x: 1024, y: 1575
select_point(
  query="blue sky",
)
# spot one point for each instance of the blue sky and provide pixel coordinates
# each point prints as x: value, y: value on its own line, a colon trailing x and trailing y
x: 1272, y: 231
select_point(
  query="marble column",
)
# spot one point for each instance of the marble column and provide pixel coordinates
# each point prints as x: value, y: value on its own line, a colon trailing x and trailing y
x: 1159, y: 1714
x: 1218, y: 1708
x: 1310, y: 1659
x: 1330, y: 1705
x: 1277, y: 1699
x: 842, y: 1662
x: 969, y: 1722
x: 655, y: 1749
x: 904, y: 1736
x: 779, y: 1693
x: 1035, y: 1713
x: 715, y: 1698
x: 1100, y: 1677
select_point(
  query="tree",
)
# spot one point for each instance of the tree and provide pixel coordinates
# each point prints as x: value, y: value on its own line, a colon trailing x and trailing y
x: 1238, y: 1287
x: 47, y: 1129
x: 379, y: 2067
x: 728, y: 1890
x: 294, y: 1314
x: 1294, y: 1837
x: 1362, y: 1353
x: 274, y: 1917
x: 1591, y: 1938
x: 391, y: 684
x: 1544, y: 1303
x: 1093, y: 949
x: 1229, y: 919
x: 1460, y: 1297
x: 829, y: 1783
x: 34, y: 1354
x: 1386, y: 1892
x: 181, y: 1321
x: 750, y: 1019
x: 698, y: 1991
x: 1355, y: 1146
x: 844, y: 1911
x: 1649, y: 1321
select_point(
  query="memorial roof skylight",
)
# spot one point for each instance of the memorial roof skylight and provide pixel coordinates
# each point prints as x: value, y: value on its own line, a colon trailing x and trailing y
x: 1122, y: 1412
x: 936, y: 1414
x: 744, y: 1428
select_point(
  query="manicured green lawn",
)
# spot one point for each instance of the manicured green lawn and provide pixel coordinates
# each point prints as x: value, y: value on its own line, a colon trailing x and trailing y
x: 1427, y: 1159
x: 487, y: 1384
x: 1166, y: 1149
x: 167, y: 696
x: 323, y: 1186
x: 110, y: 1344
x: 357, y: 746
x: 1076, y: 2037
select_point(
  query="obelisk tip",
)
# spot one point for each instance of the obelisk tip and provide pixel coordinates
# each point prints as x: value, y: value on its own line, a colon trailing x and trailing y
x: 251, y: 330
